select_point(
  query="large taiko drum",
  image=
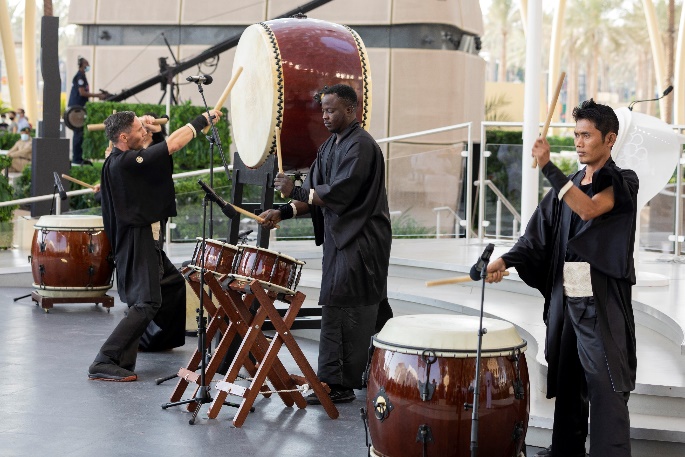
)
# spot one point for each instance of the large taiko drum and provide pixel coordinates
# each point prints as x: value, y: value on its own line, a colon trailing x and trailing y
x: 286, y: 63
x: 275, y: 271
x: 421, y: 375
x: 71, y: 256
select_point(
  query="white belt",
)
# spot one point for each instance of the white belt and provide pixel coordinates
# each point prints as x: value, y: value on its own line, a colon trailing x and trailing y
x: 156, y: 227
x: 577, y: 282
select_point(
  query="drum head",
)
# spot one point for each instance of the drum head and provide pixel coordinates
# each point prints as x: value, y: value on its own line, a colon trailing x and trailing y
x: 448, y: 335
x: 75, y: 117
x: 286, y: 63
x: 78, y: 222
x: 270, y: 253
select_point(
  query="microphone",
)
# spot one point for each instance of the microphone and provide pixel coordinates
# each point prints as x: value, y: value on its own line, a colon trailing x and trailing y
x: 477, y: 268
x: 200, y: 79
x: 668, y: 90
x: 226, y: 208
x: 244, y: 233
x: 60, y: 188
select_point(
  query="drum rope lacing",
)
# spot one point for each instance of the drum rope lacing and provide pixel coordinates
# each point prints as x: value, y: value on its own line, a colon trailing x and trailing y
x: 279, y: 74
x: 303, y: 389
x: 365, y: 72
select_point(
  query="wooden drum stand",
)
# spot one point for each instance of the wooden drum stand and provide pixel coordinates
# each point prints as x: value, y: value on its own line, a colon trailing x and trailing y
x: 234, y: 306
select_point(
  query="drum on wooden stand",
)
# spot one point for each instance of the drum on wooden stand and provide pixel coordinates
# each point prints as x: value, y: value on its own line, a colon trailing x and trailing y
x: 219, y: 257
x: 275, y: 271
x: 286, y: 63
x: 71, y: 256
x: 422, y: 374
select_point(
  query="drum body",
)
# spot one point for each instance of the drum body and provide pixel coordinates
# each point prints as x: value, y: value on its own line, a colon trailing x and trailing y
x: 75, y: 117
x: 71, y: 256
x: 275, y: 271
x: 286, y: 63
x: 419, y: 380
x: 219, y: 257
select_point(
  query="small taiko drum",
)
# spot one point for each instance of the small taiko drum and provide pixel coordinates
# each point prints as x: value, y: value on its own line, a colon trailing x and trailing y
x: 275, y: 271
x: 219, y: 257
x: 71, y: 256
x: 286, y: 63
x: 422, y: 374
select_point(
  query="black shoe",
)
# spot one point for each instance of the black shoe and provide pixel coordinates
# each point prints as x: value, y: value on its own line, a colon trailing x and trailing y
x: 548, y: 453
x: 100, y: 371
x: 86, y: 162
x: 545, y: 452
x: 337, y: 396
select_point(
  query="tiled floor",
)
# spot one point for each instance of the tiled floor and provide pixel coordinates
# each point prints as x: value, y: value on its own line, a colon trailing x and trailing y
x: 48, y: 407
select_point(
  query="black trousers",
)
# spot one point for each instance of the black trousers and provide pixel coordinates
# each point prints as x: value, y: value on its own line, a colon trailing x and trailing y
x: 584, y: 378
x: 121, y: 348
x: 344, y: 344
x: 77, y: 146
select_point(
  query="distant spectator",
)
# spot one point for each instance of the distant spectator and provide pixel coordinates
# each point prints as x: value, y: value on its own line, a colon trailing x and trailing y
x: 21, y: 152
x: 11, y: 115
x: 4, y: 125
x: 22, y: 120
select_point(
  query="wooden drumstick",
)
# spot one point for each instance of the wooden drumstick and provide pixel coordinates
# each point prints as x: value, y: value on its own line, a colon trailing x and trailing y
x: 245, y: 212
x: 456, y: 280
x: 279, y: 156
x: 80, y: 183
x: 224, y: 96
x: 550, y: 113
x: 100, y: 127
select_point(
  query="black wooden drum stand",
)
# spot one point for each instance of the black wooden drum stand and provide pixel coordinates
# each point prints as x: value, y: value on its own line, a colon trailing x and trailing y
x: 262, y: 176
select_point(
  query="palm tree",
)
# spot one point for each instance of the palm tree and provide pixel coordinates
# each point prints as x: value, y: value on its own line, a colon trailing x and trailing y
x: 501, y: 18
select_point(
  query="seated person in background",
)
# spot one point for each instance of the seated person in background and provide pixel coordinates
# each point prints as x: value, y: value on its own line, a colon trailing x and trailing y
x: 21, y: 152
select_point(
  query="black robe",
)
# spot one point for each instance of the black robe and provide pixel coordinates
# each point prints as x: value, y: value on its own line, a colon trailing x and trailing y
x: 354, y: 226
x: 606, y: 243
x: 137, y: 190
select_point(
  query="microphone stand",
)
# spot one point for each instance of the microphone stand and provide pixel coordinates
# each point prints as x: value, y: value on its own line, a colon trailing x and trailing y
x: 476, y: 389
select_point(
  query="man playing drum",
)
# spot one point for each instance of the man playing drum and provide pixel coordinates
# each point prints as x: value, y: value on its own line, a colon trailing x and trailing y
x: 137, y: 193
x: 578, y: 252
x: 345, y: 193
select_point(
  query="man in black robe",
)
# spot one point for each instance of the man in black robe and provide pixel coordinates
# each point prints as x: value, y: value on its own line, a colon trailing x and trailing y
x: 345, y: 193
x: 137, y: 194
x: 578, y: 252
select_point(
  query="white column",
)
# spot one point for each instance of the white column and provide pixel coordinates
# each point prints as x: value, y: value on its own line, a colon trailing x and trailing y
x: 555, y: 53
x: 531, y: 110
x: 679, y: 77
x: 10, y: 56
x: 29, y: 52
x: 657, y: 53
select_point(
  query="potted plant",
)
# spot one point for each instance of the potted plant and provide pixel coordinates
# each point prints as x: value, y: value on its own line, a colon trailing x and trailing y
x: 6, y: 212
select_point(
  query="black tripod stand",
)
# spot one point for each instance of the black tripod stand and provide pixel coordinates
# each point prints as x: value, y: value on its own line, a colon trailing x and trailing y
x: 481, y: 268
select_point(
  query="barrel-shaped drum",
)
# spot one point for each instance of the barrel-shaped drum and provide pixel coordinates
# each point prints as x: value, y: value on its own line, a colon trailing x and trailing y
x: 71, y: 256
x: 286, y: 63
x: 219, y: 257
x: 275, y: 271
x: 422, y: 374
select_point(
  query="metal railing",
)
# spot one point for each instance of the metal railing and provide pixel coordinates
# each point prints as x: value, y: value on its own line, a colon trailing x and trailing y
x: 501, y: 200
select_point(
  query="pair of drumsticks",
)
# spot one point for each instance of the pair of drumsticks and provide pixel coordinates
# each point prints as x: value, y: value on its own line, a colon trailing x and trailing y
x: 550, y: 113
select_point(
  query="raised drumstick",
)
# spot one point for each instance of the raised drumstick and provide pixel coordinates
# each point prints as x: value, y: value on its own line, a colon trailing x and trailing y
x: 224, y: 96
x: 550, y: 113
x: 99, y: 127
x: 456, y: 280
x: 80, y: 183
x: 279, y: 155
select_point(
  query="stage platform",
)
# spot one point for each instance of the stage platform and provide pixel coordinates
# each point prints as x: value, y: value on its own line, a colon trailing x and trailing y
x: 50, y: 408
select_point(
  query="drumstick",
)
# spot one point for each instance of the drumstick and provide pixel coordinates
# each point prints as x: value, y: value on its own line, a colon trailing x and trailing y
x: 80, y: 183
x: 100, y: 127
x: 224, y: 96
x: 278, y: 153
x: 456, y: 280
x: 550, y: 113
x: 249, y: 214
